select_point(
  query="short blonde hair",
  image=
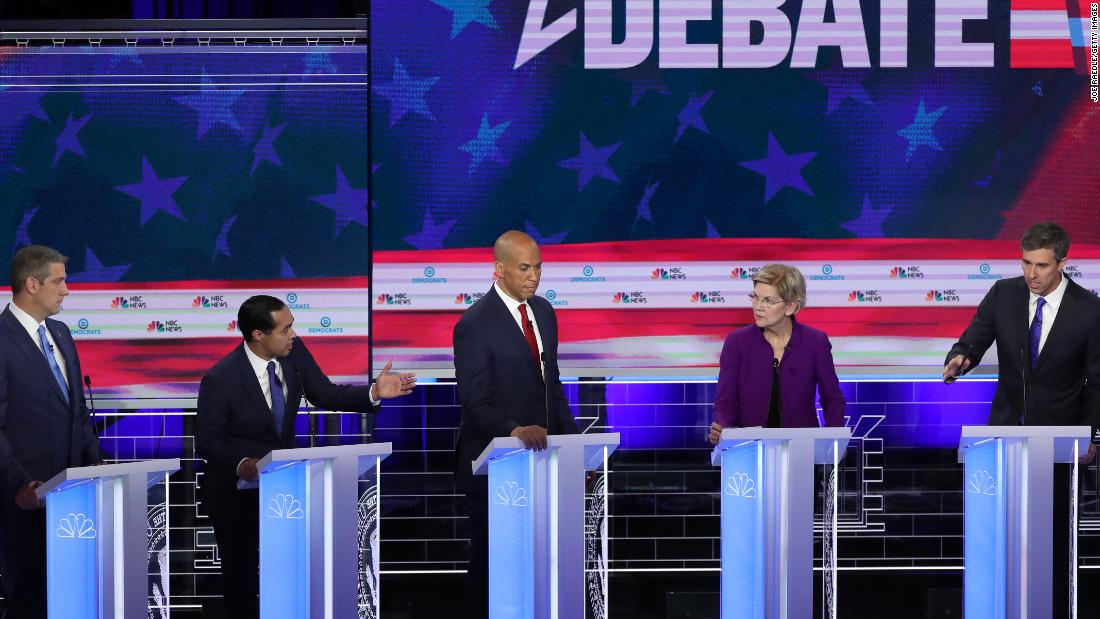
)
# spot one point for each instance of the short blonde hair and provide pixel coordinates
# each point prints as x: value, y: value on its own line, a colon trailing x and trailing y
x: 787, y: 280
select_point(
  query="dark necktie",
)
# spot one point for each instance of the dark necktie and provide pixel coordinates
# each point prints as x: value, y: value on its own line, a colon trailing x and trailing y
x: 278, y: 400
x: 529, y: 333
x: 48, y: 351
x: 1037, y: 330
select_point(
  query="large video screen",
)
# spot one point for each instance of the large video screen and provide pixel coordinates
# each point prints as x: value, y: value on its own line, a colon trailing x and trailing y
x: 180, y: 181
x: 661, y: 151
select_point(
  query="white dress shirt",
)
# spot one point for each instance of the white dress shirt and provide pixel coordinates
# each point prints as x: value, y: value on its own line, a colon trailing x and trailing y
x: 31, y: 326
x: 513, y: 307
x: 259, y: 366
x: 1050, y: 309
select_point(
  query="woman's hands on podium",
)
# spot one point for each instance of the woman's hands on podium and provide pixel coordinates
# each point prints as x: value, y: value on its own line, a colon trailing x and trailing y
x: 715, y: 433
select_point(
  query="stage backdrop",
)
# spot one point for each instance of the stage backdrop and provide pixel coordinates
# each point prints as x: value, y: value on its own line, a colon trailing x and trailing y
x: 663, y: 150
x: 180, y: 181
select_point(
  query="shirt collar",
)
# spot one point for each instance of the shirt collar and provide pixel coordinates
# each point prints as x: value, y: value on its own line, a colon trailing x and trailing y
x: 24, y: 318
x: 509, y: 302
x: 259, y: 365
x: 1054, y: 297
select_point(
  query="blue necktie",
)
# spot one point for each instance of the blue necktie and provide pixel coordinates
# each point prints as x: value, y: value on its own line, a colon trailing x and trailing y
x: 1037, y: 331
x: 48, y: 351
x: 278, y: 400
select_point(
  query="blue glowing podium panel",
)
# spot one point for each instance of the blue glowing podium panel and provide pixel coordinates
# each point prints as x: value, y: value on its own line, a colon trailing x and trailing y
x: 1009, y: 497
x: 768, y: 518
x: 97, y: 539
x: 537, y: 525
x: 310, y: 511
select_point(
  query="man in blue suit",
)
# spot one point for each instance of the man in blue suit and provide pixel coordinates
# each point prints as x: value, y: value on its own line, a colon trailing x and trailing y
x: 506, y: 365
x: 44, y: 423
x: 247, y: 405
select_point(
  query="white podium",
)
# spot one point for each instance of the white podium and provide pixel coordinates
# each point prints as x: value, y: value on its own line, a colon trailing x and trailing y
x: 310, y: 516
x: 97, y: 539
x: 537, y: 524
x: 1009, y: 517
x: 768, y: 519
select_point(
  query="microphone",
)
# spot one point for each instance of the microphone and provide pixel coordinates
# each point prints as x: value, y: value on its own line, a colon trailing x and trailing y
x: 951, y: 379
x: 91, y: 402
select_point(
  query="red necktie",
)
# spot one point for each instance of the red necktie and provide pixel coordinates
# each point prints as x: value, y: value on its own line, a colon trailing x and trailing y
x: 529, y: 333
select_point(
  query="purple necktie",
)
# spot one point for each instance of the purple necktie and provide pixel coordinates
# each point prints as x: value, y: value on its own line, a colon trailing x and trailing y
x: 1037, y: 330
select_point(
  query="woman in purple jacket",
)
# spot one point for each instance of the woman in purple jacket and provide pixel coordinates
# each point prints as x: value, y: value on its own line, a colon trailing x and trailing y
x: 769, y: 370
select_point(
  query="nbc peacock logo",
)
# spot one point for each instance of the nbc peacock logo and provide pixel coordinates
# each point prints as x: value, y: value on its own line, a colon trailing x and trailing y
x: 864, y: 296
x: 232, y: 326
x: 464, y: 299
x: 208, y: 302
x: 662, y: 273
x: 708, y: 298
x: 629, y: 298
x: 942, y: 296
x: 401, y: 298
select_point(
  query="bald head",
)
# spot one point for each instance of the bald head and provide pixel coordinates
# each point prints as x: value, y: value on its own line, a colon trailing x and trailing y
x: 511, y: 241
x: 518, y: 264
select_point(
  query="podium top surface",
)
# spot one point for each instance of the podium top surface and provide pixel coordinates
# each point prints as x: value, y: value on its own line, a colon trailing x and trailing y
x: 280, y: 457
x: 1063, y: 436
x: 79, y: 474
x: 823, y: 440
x: 593, y: 445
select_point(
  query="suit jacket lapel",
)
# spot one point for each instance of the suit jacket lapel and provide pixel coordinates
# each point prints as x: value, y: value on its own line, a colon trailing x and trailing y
x: 252, y: 387
x: 293, y: 390
x: 516, y: 336
x: 33, y: 352
x: 68, y: 353
x: 1060, y: 320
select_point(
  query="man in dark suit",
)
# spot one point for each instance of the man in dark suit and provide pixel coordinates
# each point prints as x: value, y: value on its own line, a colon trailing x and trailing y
x: 506, y: 365
x: 44, y: 423
x: 247, y: 406
x: 1047, y: 330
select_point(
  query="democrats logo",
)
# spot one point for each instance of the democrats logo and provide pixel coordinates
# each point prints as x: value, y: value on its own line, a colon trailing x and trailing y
x: 429, y: 277
x: 213, y: 301
x: 555, y: 300
x: 864, y: 296
x: 631, y: 298
x: 84, y: 327
x: 284, y: 506
x: 942, y: 296
x: 826, y: 274
x: 326, y: 327
x: 911, y: 272
x: 131, y: 302
x: 744, y: 272
x: 468, y: 299
x: 670, y: 273
x: 984, y: 272
x: 588, y: 274
x: 77, y: 526
x: 293, y: 302
x: 756, y: 35
x: 401, y: 298
x: 167, y: 326
x: 511, y: 494
x: 708, y: 298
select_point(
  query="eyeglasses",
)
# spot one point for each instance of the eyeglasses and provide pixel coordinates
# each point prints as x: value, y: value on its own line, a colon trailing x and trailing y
x: 765, y: 302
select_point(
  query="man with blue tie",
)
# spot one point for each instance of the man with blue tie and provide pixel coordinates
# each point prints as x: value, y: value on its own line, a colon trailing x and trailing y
x: 247, y: 406
x: 1047, y: 331
x: 44, y: 423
